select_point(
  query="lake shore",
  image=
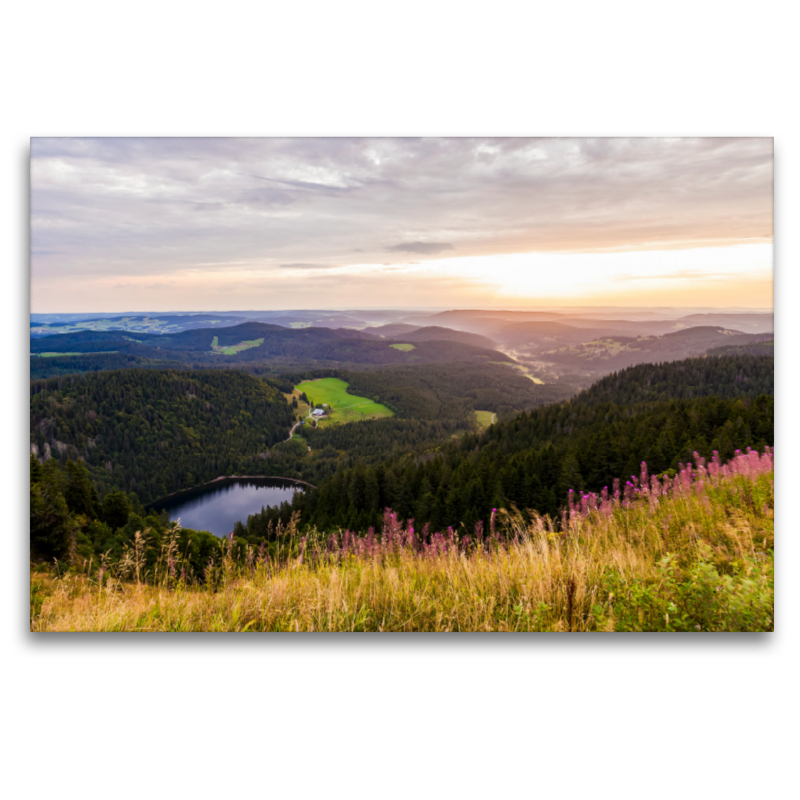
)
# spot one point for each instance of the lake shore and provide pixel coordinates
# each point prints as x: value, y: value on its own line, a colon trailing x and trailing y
x: 220, y: 478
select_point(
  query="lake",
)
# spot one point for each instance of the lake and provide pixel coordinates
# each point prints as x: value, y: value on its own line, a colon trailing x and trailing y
x: 217, y: 506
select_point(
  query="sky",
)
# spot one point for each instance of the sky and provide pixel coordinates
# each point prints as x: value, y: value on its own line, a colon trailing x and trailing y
x: 171, y: 224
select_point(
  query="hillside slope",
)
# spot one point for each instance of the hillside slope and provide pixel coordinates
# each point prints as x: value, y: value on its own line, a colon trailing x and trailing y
x: 723, y: 376
x: 154, y: 432
x: 692, y: 554
x: 265, y: 343
x: 612, y: 353
x: 531, y: 460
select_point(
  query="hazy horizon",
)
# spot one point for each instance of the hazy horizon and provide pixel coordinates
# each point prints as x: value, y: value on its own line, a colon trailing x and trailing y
x: 641, y: 309
x: 183, y: 225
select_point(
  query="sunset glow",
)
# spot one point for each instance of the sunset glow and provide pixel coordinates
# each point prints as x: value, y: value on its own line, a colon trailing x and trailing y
x: 186, y: 224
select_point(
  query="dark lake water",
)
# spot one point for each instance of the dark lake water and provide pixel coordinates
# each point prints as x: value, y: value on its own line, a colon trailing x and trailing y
x: 217, y: 507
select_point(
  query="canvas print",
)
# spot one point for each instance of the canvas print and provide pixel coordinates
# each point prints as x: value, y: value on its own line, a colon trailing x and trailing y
x: 401, y: 384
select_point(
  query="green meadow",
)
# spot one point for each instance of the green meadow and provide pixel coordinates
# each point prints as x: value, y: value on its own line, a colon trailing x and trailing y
x: 406, y: 348
x: 344, y: 407
x: 233, y: 349
x: 54, y: 355
x: 485, y: 418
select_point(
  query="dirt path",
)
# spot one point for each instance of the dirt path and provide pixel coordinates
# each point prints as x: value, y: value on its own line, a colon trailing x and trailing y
x: 291, y: 432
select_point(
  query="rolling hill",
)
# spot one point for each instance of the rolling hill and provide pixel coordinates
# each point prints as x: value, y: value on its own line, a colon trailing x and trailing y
x: 268, y: 344
x: 612, y: 353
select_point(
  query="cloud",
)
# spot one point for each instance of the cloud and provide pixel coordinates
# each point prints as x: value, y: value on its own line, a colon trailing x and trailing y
x: 162, y: 207
x: 306, y: 266
x: 423, y: 248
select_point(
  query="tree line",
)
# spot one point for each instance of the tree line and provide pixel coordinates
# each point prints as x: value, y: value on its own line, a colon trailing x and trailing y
x: 534, y: 459
x: 70, y: 524
x: 143, y: 434
x: 733, y: 375
x: 154, y: 432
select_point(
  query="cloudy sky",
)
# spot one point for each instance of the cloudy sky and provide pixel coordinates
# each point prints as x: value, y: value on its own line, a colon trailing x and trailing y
x: 226, y: 224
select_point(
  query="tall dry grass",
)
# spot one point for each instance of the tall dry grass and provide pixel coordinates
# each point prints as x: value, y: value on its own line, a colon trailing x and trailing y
x: 693, y: 553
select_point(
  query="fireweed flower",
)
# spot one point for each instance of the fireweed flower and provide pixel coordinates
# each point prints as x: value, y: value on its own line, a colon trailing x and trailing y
x: 690, y: 478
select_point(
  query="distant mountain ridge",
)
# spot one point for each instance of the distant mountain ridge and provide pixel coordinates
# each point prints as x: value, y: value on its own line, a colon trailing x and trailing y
x: 269, y: 343
x: 608, y: 354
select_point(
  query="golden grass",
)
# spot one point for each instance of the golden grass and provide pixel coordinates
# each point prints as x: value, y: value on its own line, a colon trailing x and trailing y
x: 706, y: 556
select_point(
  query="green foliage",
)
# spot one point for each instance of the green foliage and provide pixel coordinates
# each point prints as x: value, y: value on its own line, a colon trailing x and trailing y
x: 451, y: 391
x: 532, y: 461
x: 60, y: 364
x: 346, y: 406
x: 695, y: 598
x: 696, y: 560
x: 266, y: 344
x: 52, y: 527
x: 156, y: 432
x: 722, y: 376
x: 153, y: 432
x: 232, y: 350
x: 80, y: 495
x: 115, y: 509
x: 99, y: 532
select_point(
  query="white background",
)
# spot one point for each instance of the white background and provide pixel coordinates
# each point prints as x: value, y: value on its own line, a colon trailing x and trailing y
x: 402, y: 716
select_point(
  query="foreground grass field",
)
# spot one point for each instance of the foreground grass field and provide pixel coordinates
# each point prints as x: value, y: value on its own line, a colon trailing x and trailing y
x: 690, y: 554
x: 346, y: 407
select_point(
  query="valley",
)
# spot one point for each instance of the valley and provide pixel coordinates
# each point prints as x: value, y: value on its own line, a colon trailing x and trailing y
x: 443, y: 427
x: 549, y: 347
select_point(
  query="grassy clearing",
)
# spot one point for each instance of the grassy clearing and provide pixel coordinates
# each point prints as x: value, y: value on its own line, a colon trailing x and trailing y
x: 233, y: 349
x: 302, y: 407
x: 60, y: 355
x: 698, y: 556
x: 526, y: 373
x: 344, y: 407
x: 485, y: 418
x: 406, y: 348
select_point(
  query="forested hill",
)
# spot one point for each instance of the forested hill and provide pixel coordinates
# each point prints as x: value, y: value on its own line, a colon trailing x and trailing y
x: 253, y: 342
x: 442, y: 391
x: 154, y: 432
x: 760, y: 348
x: 532, y: 460
x: 729, y: 376
x: 618, y: 352
x: 49, y: 367
x: 433, y: 332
